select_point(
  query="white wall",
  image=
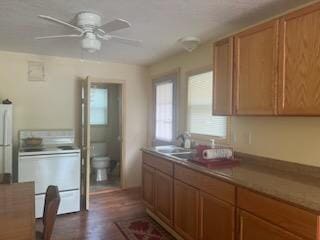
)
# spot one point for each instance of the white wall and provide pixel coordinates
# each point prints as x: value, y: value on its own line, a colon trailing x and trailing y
x: 54, y: 103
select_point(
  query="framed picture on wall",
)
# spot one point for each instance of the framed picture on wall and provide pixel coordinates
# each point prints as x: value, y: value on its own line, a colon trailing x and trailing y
x: 35, y: 71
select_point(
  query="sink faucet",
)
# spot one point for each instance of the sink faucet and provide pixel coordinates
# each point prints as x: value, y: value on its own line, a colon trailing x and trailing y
x: 180, y: 137
x: 186, y: 140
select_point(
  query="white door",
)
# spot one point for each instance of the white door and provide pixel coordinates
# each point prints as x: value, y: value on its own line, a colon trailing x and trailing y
x: 5, y: 125
x: 85, y: 141
x: 5, y: 159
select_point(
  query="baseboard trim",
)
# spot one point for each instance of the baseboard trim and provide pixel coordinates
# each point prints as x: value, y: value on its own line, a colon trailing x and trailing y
x: 164, y: 225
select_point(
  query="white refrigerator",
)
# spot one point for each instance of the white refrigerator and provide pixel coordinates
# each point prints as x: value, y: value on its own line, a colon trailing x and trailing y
x: 5, y: 138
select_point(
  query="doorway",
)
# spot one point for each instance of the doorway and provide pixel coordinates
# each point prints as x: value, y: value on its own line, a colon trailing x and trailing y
x: 101, y: 137
x: 105, y: 145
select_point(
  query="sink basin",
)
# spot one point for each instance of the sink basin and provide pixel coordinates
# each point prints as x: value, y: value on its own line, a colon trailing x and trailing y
x: 171, y: 149
x: 184, y: 156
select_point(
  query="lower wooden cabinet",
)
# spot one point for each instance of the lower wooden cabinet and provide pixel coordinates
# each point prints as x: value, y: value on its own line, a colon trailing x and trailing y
x: 163, y: 186
x: 200, y: 207
x: 186, y: 210
x: 148, y: 176
x: 217, y: 219
x: 253, y: 228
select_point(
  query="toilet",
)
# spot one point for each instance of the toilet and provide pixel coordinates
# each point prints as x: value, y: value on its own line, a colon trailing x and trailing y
x: 100, y: 162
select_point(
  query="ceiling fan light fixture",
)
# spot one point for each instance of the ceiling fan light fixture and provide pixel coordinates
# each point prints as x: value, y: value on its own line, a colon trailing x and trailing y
x: 91, y: 45
x: 88, y: 19
x: 189, y: 43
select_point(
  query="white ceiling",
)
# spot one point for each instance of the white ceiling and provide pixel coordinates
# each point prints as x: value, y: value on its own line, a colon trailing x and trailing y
x: 158, y: 23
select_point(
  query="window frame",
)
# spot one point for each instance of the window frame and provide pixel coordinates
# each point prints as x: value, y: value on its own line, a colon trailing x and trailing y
x: 108, y: 105
x: 203, y: 137
x: 171, y: 77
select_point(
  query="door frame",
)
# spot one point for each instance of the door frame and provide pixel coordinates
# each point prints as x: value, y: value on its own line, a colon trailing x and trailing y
x: 122, y: 126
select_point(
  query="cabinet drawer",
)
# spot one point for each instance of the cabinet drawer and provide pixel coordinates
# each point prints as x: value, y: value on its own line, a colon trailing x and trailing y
x: 295, y: 220
x: 158, y: 163
x: 217, y: 188
x: 252, y: 228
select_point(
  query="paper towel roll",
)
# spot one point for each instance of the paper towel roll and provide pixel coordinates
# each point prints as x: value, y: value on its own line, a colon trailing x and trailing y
x: 217, y: 153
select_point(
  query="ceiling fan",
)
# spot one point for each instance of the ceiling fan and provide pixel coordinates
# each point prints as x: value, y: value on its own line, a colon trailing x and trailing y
x: 91, y: 31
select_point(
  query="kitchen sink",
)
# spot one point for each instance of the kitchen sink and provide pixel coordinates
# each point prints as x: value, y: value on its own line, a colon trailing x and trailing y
x: 171, y: 150
x: 184, y: 156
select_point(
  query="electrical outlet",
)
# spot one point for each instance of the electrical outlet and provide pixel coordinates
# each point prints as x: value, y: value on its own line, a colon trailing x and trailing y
x: 245, y: 138
x: 234, y: 138
x: 249, y: 138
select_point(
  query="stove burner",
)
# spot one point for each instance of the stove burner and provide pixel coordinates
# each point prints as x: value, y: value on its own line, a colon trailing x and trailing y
x: 33, y: 149
x: 66, y: 147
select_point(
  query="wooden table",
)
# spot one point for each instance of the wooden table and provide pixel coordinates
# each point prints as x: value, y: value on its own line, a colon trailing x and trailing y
x: 17, y: 220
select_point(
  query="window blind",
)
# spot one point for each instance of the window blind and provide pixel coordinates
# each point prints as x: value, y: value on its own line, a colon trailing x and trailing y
x: 200, y: 119
x: 164, y: 111
x: 99, y: 106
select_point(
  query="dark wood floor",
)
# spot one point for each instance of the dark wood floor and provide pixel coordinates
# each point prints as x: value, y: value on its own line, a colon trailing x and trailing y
x: 98, y: 223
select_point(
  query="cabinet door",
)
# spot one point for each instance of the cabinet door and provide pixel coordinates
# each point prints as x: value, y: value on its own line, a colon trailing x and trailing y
x: 253, y: 228
x: 164, y: 197
x: 186, y: 210
x: 256, y: 70
x: 217, y: 219
x: 299, y: 85
x: 222, y: 80
x: 148, y: 175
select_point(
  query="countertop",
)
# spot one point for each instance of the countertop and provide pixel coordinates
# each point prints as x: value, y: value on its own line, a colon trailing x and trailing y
x: 300, y: 189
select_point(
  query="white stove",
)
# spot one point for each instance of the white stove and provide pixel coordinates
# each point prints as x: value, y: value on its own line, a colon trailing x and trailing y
x: 56, y: 162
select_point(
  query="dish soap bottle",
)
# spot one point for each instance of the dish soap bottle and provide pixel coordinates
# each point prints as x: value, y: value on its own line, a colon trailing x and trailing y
x: 187, y: 140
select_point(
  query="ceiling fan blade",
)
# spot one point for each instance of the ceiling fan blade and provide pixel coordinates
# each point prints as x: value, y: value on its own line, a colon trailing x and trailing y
x: 61, y: 22
x: 128, y: 41
x: 59, y: 36
x: 123, y: 40
x: 114, y: 25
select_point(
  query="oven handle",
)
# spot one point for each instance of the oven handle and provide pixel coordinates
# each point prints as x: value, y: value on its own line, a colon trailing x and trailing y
x: 50, y: 156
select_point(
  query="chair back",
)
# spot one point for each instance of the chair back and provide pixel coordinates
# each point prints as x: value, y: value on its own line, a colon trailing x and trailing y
x: 51, y: 206
x: 5, y: 178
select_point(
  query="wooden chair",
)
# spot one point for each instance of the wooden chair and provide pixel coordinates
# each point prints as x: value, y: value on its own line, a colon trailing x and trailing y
x: 51, y: 205
x: 5, y: 178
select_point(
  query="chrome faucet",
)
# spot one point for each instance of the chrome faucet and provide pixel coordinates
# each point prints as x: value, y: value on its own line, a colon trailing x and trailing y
x: 186, y: 140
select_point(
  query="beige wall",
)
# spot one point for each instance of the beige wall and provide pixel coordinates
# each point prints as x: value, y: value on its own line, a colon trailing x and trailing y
x: 54, y: 104
x: 295, y: 139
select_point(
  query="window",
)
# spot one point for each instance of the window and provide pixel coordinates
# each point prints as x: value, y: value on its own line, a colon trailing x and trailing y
x: 164, y: 109
x: 200, y: 119
x: 99, y: 106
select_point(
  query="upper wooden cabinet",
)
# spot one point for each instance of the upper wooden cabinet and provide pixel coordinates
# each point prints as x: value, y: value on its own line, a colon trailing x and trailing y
x: 276, y: 67
x: 299, y: 85
x: 222, y: 80
x: 255, y: 70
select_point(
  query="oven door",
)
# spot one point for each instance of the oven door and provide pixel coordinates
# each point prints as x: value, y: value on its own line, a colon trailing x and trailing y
x: 62, y: 170
x: 69, y: 203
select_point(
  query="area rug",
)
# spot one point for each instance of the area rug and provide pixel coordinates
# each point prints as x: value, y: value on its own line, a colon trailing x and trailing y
x: 143, y: 228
